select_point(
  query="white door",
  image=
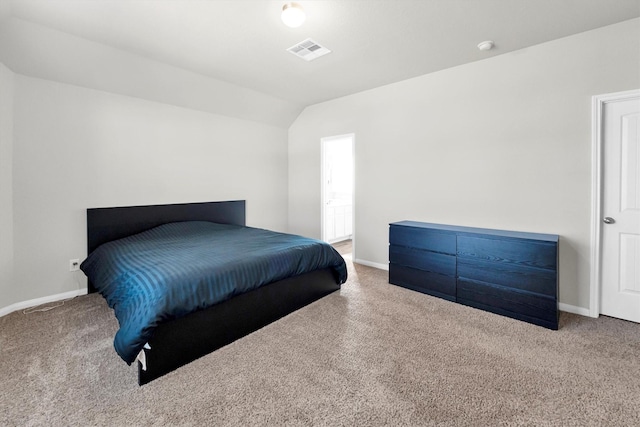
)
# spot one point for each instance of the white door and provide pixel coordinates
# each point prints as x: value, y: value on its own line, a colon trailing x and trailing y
x: 620, y: 289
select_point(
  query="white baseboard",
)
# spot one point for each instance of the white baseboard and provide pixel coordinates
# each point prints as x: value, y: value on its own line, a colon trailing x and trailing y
x: 67, y: 295
x: 39, y: 301
x: 372, y: 264
x: 575, y: 310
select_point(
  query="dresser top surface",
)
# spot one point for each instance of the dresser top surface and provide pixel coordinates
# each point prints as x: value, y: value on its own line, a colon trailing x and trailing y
x: 473, y: 230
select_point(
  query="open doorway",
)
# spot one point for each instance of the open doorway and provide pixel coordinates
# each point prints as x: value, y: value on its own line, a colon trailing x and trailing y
x: 337, y: 192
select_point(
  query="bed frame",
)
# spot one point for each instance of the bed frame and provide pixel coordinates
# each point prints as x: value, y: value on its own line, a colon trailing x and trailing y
x: 180, y: 341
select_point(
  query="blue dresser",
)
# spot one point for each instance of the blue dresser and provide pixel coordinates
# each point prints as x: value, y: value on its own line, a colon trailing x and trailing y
x: 514, y: 274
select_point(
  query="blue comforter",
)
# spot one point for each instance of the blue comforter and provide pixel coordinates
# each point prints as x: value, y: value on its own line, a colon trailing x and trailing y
x: 178, y: 268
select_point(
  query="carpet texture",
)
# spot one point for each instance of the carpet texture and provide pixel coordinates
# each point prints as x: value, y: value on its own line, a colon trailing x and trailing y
x: 369, y: 354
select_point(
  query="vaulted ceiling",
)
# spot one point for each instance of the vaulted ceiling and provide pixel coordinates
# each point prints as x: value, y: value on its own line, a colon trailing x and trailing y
x: 373, y: 42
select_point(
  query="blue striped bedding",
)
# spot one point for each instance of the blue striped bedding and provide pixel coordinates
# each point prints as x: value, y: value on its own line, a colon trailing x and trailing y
x: 178, y: 268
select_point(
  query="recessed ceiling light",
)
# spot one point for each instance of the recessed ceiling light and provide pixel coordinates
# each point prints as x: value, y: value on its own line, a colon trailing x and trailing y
x: 292, y: 15
x: 486, y: 45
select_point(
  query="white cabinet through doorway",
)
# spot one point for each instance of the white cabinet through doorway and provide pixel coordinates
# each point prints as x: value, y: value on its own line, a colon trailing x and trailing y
x: 338, y: 220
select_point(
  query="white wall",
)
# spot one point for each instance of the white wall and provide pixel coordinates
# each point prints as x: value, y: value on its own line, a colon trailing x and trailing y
x: 6, y: 185
x: 118, y: 129
x: 500, y: 143
x: 77, y: 148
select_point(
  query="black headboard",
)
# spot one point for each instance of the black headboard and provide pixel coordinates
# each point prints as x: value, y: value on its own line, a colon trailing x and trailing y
x: 107, y: 224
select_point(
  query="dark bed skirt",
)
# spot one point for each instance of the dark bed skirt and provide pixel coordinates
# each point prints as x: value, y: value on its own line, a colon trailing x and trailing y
x: 180, y: 341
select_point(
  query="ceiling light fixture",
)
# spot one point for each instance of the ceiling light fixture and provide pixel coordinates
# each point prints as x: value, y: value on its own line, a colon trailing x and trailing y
x: 486, y: 45
x: 292, y: 15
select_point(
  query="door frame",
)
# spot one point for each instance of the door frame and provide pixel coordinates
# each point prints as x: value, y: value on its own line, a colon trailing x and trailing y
x: 353, y: 188
x: 597, y: 149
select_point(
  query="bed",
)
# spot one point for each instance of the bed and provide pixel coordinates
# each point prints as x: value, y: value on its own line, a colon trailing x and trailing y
x: 260, y: 293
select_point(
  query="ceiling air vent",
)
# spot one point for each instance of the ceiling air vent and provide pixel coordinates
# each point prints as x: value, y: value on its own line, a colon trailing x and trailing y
x: 308, y: 50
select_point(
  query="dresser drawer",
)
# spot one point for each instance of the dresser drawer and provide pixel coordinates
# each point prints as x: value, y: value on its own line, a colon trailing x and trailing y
x: 514, y: 251
x: 516, y: 276
x: 423, y: 281
x: 508, y: 302
x: 422, y: 238
x: 423, y: 260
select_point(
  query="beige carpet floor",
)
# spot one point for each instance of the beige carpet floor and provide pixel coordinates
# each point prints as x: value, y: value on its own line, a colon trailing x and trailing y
x: 370, y: 354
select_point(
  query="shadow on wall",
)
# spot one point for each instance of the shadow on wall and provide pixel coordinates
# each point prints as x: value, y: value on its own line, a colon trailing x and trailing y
x: 568, y: 268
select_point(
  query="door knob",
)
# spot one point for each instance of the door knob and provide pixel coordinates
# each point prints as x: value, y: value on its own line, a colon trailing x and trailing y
x: 608, y: 220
